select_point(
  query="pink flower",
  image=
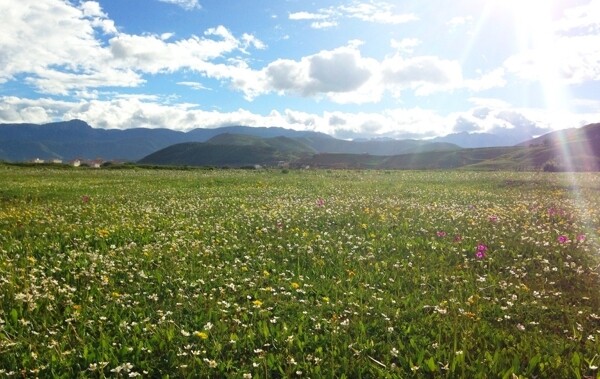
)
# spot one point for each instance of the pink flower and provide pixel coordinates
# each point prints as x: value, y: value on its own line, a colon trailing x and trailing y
x: 493, y: 218
x: 563, y: 239
x: 480, y: 253
x: 85, y: 198
x: 457, y: 238
x: 320, y: 202
x: 441, y: 233
x: 580, y: 237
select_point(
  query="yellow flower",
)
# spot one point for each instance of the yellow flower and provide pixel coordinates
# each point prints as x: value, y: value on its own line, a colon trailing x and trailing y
x: 201, y: 335
x: 295, y: 285
x: 326, y: 299
x: 257, y: 303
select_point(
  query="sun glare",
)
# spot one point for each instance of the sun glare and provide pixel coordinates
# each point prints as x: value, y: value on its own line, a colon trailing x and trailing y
x: 536, y: 45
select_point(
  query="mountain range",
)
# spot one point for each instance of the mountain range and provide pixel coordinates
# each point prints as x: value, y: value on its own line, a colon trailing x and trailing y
x: 76, y: 139
x: 576, y: 149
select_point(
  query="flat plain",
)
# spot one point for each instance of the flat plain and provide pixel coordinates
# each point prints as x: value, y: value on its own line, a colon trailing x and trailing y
x: 270, y: 273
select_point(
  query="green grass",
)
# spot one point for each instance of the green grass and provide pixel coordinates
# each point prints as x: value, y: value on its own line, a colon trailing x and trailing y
x: 164, y: 273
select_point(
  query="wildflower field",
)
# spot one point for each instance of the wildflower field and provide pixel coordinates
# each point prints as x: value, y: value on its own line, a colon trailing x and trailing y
x: 320, y: 274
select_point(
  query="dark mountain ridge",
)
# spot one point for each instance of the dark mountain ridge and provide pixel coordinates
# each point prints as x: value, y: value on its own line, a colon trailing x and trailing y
x: 76, y: 139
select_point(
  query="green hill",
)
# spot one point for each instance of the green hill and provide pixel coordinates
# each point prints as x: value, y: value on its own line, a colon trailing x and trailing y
x: 290, y: 147
x: 232, y: 150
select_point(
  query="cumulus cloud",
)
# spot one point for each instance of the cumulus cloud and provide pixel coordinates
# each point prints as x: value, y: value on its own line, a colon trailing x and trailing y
x: 339, y: 70
x: 64, y: 55
x: 72, y: 45
x: 425, y: 74
x: 152, y: 54
x: 72, y: 60
x: 343, y: 75
x: 466, y: 124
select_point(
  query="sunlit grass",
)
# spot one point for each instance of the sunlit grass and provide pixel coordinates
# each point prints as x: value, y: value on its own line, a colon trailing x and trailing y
x: 302, y: 274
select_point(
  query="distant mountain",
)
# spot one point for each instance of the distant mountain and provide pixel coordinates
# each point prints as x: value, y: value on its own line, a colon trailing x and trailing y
x: 374, y: 147
x: 232, y: 150
x: 570, y: 150
x: 77, y: 140
x: 475, y: 140
x: 449, y: 159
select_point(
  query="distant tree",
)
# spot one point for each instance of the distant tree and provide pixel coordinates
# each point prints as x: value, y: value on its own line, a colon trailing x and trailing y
x: 552, y: 166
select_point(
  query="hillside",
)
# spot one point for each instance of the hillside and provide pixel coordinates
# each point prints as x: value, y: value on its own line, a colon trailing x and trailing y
x: 415, y: 161
x: 288, y: 147
x: 206, y: 154
x: 233, y: 150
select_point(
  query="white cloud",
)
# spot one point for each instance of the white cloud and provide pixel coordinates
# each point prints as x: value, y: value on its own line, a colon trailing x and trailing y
x: 377, y: 12
x: 568, y: 53
x: 425, y: 74
x: 493, y: 79
x: 455, y: 22
x: 582, y: 19
x: 55, y: 33
x: 63, y: 83
x: 193, y: 85
x: 185, y: 4
x: 64, y: 55
x: 406, y: 45
x: 342, y: 70
x: 380, y: 12
x: 571, y: 60
x: 323, y: 24
x: 297, y: 16
x: 151, y: 54
x: 343, y: 75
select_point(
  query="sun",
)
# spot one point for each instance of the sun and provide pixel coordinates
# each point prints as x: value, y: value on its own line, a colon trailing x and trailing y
x: 532, y: 20
x: 535, y: 54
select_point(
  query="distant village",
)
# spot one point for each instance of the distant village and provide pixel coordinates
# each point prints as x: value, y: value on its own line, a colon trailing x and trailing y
x: 94, y: 163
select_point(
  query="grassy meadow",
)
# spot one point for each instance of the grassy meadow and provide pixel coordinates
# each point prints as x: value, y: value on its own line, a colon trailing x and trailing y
x: 320, y: 274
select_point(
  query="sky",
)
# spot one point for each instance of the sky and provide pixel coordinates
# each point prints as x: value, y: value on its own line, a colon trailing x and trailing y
x: 352, y: 69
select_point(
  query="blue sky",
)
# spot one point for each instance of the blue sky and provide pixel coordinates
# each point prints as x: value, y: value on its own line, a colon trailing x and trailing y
x: 369, y: 68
